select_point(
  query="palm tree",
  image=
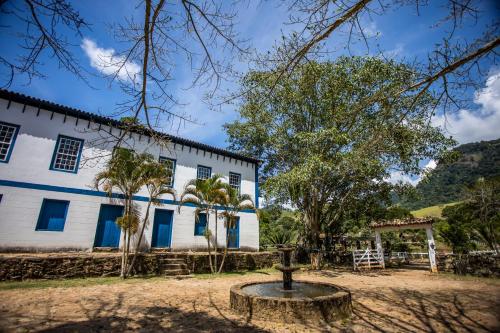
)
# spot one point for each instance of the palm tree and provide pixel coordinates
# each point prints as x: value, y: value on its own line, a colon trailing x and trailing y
x: 157, y: 180
x: 125, y: 172
x: 205, y: 195
x: 234, y: 203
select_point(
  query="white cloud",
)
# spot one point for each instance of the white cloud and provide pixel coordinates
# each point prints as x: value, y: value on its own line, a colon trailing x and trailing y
x: 399, y: 177
x: 395, y: 52
x: 106, y: 62
x: 431, y: 165
x: 371, y: 30
x: 476, y: 125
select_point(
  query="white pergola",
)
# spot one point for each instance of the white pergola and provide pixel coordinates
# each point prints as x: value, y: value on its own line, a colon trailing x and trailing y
x: 402, y: 224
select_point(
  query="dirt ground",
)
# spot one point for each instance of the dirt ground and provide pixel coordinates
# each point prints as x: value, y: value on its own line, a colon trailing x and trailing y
x: 384, y: 301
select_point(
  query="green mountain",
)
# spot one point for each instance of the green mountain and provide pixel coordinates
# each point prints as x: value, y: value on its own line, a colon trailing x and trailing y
x: 446, y: 182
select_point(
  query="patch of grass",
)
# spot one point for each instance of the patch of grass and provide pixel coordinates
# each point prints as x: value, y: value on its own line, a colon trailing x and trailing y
x: 265, y: 271
x: 87, y: 282
x: 70, y: 283
x: 487, y: 280
x: 432, y: 211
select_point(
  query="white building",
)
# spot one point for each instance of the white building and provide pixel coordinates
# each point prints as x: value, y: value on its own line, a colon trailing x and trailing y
x: 49, y: 155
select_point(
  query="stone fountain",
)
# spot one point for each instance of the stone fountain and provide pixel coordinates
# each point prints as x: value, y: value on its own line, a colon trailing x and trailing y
x: 288, y: 300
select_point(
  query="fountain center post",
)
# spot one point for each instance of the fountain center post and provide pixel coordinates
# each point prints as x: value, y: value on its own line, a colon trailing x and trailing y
x: 286, y: 268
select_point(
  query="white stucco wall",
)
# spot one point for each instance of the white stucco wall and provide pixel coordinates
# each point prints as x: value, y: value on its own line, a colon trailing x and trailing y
x: 30, y: 162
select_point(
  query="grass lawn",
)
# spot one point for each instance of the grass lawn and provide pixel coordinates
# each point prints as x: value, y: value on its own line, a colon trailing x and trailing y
x: 87, y: 282
x: 432, y: 211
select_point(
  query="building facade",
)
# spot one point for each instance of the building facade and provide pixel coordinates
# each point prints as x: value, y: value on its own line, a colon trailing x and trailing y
x: 49, y: 156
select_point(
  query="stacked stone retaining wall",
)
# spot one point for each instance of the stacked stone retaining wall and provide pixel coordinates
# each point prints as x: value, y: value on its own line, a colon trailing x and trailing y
x: 58, y: 266
x: 480, y: 264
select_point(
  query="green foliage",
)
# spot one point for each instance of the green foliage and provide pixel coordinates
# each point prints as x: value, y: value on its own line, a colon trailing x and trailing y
x: 448, y: 181
x: 456, y: 230
x: 205, y: 195
x: 483, y: 199
x: 475, y: 219
x: 331, y: 132
x: 278, y: 226
x: 432, y: 211
x: 126, y: 173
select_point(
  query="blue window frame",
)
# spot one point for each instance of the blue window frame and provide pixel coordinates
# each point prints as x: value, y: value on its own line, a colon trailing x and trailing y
x: 170, y: 165
x: 204, y: 172
x: 67, y: 154
x: 200, y: 224
x: 52, y: 215
x: 235, y: 181
x: 8, y: 135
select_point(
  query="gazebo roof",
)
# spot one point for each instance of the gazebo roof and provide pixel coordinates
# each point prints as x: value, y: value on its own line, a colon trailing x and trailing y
x: 407, y: 222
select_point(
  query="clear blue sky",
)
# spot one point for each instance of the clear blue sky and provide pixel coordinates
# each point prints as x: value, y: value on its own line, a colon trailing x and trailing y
x: 401, y: 32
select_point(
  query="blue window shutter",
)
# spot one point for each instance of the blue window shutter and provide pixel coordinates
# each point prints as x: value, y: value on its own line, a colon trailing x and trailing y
x: 200, y: 224
x: 52, y: 215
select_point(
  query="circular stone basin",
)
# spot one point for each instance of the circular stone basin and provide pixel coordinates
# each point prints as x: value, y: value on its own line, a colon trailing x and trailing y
x: 307, y: 301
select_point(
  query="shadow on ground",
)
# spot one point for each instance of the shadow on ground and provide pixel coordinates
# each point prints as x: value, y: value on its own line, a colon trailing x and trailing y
x: 376, y: 308
x: 114, y: 317
x: 413, y: 311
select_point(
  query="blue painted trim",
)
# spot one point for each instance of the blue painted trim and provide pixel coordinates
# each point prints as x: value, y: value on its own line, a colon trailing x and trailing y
x: 77, y: 165
x: 256, y: 185
x: 195, y: 223
x: 203, y: 166
x: 238, y: 174
x: 161, y: 159
x: 11, y: 147
x: 238, y: 232
x: 170, y: 231
x: 44, y: 202
x: 95, y: 193
x: 99, y: 220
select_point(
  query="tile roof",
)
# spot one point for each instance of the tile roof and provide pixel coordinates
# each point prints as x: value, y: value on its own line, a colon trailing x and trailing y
x: 69, y: 111
x: 411, y: 221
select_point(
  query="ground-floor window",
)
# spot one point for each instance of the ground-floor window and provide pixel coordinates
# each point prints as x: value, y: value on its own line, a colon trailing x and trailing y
x: 52, y: 215
x: 200, y: 224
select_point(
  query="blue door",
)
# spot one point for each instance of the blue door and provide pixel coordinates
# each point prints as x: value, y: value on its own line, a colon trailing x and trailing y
x: 234, y: 235
x: 108, y: 232
x: 162, y: 228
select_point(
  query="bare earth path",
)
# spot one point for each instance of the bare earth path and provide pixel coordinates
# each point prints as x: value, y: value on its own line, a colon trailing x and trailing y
x: 389, y: 301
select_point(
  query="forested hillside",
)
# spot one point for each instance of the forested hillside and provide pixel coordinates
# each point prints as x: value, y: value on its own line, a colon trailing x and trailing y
x: 446, y: 183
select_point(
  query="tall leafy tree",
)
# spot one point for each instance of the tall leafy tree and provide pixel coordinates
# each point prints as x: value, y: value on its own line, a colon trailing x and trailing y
x: 330, y: 134
x: 157, y: 180
x: 206, y: 195
x: 484, y: 201
x: 233, y: 203
x: 456, y: 228
x: 126, y: 172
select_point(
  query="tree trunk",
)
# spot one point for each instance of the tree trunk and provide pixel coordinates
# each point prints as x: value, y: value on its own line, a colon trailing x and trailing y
x: 315, y: 230
x: 122, y: 269
x: 207, y: 235
x: 225, y: 248
x: 216, y: 245
x: 124, y: 243
x: 146, y: 217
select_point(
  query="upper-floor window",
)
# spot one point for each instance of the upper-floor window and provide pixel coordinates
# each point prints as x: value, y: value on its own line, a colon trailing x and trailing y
x: 204, y: 172
x: 169, y: 165
x: 235, y: 181
x: 67, y: 154
x: 8, y: 134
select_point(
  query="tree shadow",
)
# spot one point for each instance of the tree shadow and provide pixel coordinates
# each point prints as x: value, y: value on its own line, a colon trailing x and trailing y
x: 433, y: 311
x: 112, y: 316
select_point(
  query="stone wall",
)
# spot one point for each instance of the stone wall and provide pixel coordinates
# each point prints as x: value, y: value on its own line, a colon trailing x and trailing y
x: 58, y: 266
x: 470, y: 264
